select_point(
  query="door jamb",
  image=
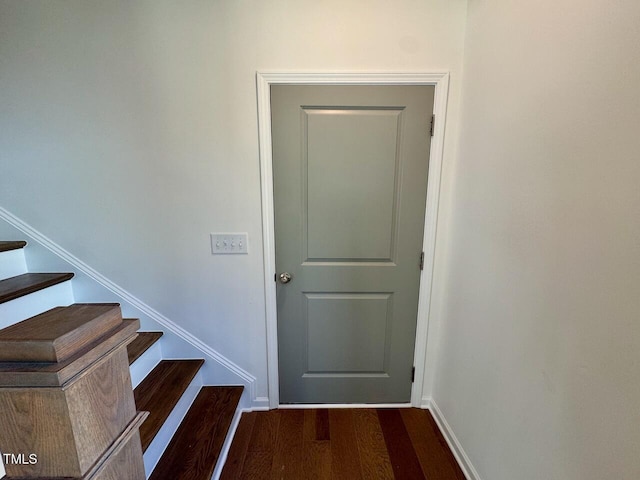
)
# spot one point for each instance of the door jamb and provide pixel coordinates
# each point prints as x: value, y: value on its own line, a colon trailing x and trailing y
x: 440, y: 80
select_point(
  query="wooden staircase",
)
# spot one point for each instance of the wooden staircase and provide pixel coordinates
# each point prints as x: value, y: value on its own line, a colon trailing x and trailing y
x: 196, y: 445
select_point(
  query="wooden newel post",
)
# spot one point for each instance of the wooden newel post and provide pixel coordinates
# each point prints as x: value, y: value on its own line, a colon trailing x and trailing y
x: 66, y: 402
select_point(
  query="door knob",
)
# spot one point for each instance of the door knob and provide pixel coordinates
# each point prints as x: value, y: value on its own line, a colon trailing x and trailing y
x: 285, y: 277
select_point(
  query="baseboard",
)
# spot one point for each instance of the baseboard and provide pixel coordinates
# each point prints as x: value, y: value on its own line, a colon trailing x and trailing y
x: 463, y: 459
x: 163, y: 437
x: 248, y: 380
x: 260, y: 403
x: 293, y: 406
x: 227, y: 444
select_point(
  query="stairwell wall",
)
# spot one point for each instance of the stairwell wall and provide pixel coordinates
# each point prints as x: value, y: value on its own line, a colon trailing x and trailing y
x: 128, y: 133
x: 88, y: 286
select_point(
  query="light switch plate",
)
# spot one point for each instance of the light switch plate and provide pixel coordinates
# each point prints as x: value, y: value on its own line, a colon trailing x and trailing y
x: 229, y: 243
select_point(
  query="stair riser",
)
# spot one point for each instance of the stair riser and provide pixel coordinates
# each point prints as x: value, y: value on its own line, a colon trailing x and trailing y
x: 35, y: 303
x: 12, y: 263
x: 145, y: 363
x: 162, y: 439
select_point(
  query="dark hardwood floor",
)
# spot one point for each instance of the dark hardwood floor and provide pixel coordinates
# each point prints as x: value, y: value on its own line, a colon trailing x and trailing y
x: 340, y: 444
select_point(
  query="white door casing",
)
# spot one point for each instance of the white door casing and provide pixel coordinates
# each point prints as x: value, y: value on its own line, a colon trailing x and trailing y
x: 264, y: 80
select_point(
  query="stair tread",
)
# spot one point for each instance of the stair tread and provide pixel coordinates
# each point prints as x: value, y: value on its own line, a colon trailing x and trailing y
x: 16, y: 287
x: 141, y: 344
x: 195, y: 448
x: 160, y: 391
x: 5, y: 246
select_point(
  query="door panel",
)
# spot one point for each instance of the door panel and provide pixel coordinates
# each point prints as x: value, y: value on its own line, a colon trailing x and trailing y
x: 350, y: 174
x: 336, y: 322
x: 342, y: 145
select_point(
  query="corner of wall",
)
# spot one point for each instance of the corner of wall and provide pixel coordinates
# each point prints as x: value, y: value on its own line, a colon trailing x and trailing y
x: 454, y: 444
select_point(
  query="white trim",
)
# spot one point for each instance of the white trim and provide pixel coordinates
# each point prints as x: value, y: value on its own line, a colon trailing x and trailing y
x: 264, y: 80
x: 264, y: 408
x: 302, y: 406
x: 454, y: 444
x: 248, y: 379
x: 260, y: 403
x: 163, y: 437
x: 222, y: 459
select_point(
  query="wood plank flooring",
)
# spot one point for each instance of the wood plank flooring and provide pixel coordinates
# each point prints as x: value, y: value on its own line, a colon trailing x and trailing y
x: 340, y: 444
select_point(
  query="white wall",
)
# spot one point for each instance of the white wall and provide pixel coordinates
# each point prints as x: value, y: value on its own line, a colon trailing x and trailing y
x: 128, y: 132
x: 538, y: 372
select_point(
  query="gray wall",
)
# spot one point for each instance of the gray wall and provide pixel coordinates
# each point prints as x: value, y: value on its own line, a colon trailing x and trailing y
x: 128, y: 132
x: 538, y: 372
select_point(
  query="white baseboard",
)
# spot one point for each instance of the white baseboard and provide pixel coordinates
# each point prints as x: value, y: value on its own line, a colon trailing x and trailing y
x: 463, y: 460
x: 227, y: 444
x: 292, y: 406
x: 162, y: 439
x: 248, y: 380
x: 260, y: 403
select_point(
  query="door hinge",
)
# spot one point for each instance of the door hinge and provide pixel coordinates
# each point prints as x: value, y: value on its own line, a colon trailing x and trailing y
x: 413, y: 374
x: 433, y: 122
x: 422, y: 261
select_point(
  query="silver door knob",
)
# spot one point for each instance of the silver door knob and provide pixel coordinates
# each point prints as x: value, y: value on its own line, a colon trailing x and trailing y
x: 285, y: 277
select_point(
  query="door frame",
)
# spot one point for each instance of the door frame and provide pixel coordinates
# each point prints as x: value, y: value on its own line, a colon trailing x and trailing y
x: 264, y: 80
